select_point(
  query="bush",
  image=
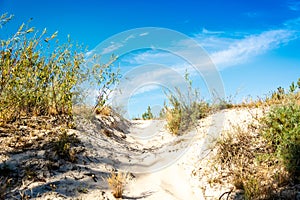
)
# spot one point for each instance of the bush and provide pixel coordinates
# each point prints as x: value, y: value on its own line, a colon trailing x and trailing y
x: 281, y: 128
x: 244, y: 156
x: 33, y: 84
x: 184, y: 109
x: 266, y: 157
x: 148, y: 114
x: 37, y: 78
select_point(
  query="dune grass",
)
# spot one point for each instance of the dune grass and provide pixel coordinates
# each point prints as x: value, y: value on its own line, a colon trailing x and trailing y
x: 266, y: 158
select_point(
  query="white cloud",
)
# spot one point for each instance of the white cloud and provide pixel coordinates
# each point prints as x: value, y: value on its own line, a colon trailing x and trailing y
x: 128, y: 38
x: 293, y: 24
x: 147, y: 78
x: 149, y: 57
x: 111, y: 48
x: 224, y: 50
x: 242, y: 50
x: 144, y: 34
x: 146, y: 88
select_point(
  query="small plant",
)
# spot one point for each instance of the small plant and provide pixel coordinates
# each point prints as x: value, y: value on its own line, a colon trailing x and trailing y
x: 184, y: 109
x: 117, y: 183
x: 174, y: 116
x: 64, y: 146
x: 148, y: 114
x: 33, y: 84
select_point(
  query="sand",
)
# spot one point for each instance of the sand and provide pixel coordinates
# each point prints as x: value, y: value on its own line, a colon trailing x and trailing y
x: 160, y: 165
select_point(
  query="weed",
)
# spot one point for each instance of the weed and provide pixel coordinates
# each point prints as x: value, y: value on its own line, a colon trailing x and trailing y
x: 148, y: 114
x: 64, y: 144
x: 32, y: 84
x: 281, y: 128
x: 117, y: 183
x: 266, y: 157
x: 184, y: 109
x: 242, y: 154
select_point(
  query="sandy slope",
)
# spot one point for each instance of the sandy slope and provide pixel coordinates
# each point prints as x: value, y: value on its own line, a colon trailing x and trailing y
x: 176, y: 180
x: 162, y: 166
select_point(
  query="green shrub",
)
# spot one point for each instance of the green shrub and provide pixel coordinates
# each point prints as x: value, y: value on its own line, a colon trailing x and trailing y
x: 30, y: 82
x: 38, y: 77
x: 243, y: 155
x: 148, y: 114
x: 281, y: 128
x: 266, y: 156
x: 183, y: 110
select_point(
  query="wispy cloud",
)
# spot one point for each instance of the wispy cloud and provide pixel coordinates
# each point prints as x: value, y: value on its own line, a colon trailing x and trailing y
x: 89, y: 53
x: 205, y: 31
x: 294, y: 5
x: 293, y: 24
x: 144, y: 34
x: 146, y: 88
x: 224, y: 50
x: 242, y: 50
x: 149, y: 57
x: 148, y: 78
x: 111, y: 48
x: 129, y: 37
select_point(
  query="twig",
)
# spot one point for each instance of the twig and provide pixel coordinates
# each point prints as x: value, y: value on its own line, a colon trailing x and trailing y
x: 229, y: 192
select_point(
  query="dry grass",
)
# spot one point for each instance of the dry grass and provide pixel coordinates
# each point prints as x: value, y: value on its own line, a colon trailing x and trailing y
x: 104, y: 111
x: 173, y: 117
x: 117, y: 183
x: 245, y: 156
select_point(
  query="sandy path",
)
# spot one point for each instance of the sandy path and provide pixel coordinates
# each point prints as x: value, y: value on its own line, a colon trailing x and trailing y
x: 162, y: 165
x: 172, y: 179
x: 159, y: 181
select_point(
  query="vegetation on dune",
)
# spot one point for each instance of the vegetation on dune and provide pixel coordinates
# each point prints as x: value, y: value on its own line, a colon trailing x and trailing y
x: 42, y: 83
x: 117, y: 182
x: 265, y: 160
x: 38, y: 76
x: 184, y: 109
x: 148, y: 114
x: 281, y: 128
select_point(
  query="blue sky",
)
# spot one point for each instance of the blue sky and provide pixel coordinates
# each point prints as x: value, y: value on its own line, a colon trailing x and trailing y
x: 253, y: 44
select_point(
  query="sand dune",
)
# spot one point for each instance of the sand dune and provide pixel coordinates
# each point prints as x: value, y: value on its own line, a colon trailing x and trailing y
x: 161, y: 166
